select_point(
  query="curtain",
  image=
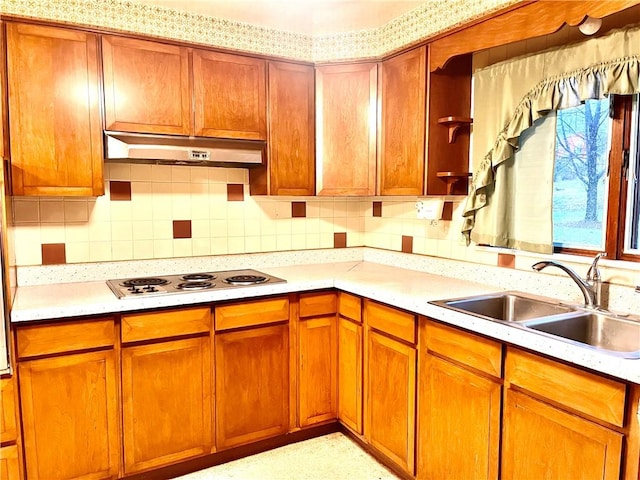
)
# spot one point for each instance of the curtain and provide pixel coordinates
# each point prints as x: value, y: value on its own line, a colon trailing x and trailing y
x: 509, y: 98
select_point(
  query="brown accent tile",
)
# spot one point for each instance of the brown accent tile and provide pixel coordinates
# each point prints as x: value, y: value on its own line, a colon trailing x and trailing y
x: 340, y: 240
x: 377, y: 209
x: 506, y: 260
x: 298, y: 209
x: 407, y: 244
x: 447, y: 211
x: 235, y: 192
x: 120, y: 191
x: 54, y: 253
x: 182, y: 229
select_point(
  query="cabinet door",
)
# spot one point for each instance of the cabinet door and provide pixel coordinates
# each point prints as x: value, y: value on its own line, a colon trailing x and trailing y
x: 252, y: 384
x: 146, y: 86
x: 167, y: 402
x: 403, y: 118
x: 350, y: 374
x: 390, y: 398
x: 9, y: 463
x: 459, y: 422
x: 230, y: 96
x: 55, y: 125
x: 70, y: 416
x: 8, y: 425
x: 346, y: 112
x: 318, y: 370
x: 540, y: 441
x: 291, y: 129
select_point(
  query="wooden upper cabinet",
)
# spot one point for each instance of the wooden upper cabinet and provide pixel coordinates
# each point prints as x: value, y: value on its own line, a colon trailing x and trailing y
x: 346, y: 107
x: 403, y: 87
x: 291, y: 129
x: 55, y: 125
x: 146, y: 86
x: 230, y: 96
x: 4, y: 126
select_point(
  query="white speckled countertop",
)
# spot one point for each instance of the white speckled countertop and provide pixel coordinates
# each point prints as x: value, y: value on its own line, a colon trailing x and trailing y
x: 407, y: 289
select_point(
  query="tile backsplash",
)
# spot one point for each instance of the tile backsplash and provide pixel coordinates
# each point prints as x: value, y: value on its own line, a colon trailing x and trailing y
x: 159, y: 211
x: 164, y: 212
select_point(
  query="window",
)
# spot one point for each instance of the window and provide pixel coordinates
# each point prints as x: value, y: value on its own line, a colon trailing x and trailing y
x: 596, y: 196
x: 580, y: 180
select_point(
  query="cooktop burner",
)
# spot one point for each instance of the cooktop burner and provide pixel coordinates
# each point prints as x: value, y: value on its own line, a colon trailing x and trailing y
x: 194, y: 285
x: 245, y: 279
x: 144, y: 282
x: 198, y: 277
x: 188, y: 283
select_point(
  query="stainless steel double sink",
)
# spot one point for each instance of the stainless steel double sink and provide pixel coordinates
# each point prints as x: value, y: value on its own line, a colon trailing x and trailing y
x: 604, y: 331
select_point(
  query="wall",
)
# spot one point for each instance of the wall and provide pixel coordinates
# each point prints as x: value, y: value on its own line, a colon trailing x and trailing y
x: 427, y: 20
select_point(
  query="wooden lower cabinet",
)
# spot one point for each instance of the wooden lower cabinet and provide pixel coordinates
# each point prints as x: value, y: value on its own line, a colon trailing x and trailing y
x: 8, y: 424
x: 252, y: 384
x: 390, y: 394
x: 350, y: 374
x: 318, y: 356
x: 459, y: 404
x: 541, y: 441
x: 167, y: 402
x: 9, y: 463
x: 459, y: 422
x: 70, y: 416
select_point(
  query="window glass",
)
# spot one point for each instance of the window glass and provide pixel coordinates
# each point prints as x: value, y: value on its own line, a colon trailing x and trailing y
x: 632, y: 240
x: 580, y: 177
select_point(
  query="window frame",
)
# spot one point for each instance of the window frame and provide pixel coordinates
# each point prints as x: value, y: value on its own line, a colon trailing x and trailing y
x: 618, y: 186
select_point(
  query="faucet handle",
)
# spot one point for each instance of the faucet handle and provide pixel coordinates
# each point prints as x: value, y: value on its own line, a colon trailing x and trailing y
x: 594, y: 273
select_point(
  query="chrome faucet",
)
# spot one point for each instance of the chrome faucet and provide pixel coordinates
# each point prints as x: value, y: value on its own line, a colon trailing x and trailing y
x: 591, y: 286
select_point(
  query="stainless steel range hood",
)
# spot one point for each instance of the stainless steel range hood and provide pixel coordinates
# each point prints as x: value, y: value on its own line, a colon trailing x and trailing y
x: 178, y: 150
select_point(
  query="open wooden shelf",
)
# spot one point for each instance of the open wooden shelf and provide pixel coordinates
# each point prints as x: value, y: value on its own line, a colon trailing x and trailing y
x: 454, y: 124
x: 451, y: 178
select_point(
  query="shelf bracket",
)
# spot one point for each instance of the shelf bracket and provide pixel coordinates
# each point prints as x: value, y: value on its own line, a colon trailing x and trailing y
x: 454, y: 124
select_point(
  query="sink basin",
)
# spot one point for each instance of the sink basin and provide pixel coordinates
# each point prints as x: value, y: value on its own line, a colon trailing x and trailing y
x: 596, y: 329
x: 506, y: 306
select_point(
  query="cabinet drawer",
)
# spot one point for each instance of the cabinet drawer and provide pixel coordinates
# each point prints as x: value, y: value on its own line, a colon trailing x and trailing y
x: 390, y: 320
x: 350, y: 306
x: 8, y: 428
x: 34, y: 340
x: 256, y: 312
x: 464, y: 348
x: 319, y: 303
x: 585, y: 392
x: 168, y: 323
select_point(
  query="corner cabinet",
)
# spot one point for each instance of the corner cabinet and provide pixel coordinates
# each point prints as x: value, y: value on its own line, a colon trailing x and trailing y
x: 346, y: 106
x: 350, y: 358
x: 317, y: 358
x: 403, y: 91
x: 54, y: 102
x: 291, y: 165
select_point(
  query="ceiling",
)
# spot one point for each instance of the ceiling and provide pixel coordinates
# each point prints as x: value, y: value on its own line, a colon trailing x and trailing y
x: 310, y: 17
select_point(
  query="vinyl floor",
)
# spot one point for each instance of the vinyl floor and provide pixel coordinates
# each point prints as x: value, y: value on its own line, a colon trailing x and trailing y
x: 331, y: 457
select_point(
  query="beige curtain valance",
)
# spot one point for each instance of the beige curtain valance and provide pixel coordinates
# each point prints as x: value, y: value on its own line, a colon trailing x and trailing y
x: 510, y: 96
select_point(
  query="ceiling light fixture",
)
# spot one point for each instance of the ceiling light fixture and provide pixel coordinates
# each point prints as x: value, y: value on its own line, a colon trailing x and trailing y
x: 590, y: 25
